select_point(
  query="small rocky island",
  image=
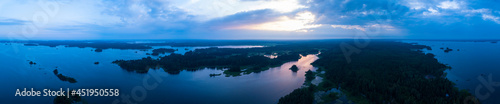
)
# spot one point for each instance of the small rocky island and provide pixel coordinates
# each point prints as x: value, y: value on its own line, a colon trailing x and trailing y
x: 294, y: 68
x: 447, y: 50
x: 98, y: 50
x: 213, y: 75
x: 64, y: 78
x: 32, y: 63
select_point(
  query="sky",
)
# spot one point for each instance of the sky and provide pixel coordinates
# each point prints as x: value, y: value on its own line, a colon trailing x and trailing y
x: 249, y: 19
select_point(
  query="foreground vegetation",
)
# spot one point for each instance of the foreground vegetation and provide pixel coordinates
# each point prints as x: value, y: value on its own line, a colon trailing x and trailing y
x: 68, y: 100
x: 159, y: 51
x: 299, y: 96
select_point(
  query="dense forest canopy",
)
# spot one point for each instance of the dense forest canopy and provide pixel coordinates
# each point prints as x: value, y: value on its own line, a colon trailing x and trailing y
x: 387, y: 72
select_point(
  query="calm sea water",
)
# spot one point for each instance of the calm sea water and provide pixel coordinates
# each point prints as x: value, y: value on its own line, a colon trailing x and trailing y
x: 471, y: 62
x: 187, y: 87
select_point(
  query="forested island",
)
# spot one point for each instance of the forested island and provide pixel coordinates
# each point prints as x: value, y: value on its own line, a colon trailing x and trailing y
x: 123, y: 44
x: 30, y: 44
x: 294, y: 68
x: 63, y: 77
x: 159, y: 51
x: 82, y: 44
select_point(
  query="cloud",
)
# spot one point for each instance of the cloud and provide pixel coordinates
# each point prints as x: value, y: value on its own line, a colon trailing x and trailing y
x: 431, y: 11
x: 416, y: 5
x: 345, y: 2
x: 144, y: 11
x: 366, y: 27
x: 491, y: 18
x: 349, y: 27
x: 301, y: 22
x: 210, y: 9
x: 242, y: 18
x: 482, y: 11
x: 12, y: 22
x: 449, y: 5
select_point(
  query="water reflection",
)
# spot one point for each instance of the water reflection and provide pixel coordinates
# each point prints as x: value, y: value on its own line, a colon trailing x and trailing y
x: 271, y: 56
x: 255, y: 88
x: 241, y: 46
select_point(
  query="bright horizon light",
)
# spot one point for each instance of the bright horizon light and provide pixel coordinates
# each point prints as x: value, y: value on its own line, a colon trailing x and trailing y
x: 300, y: 23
